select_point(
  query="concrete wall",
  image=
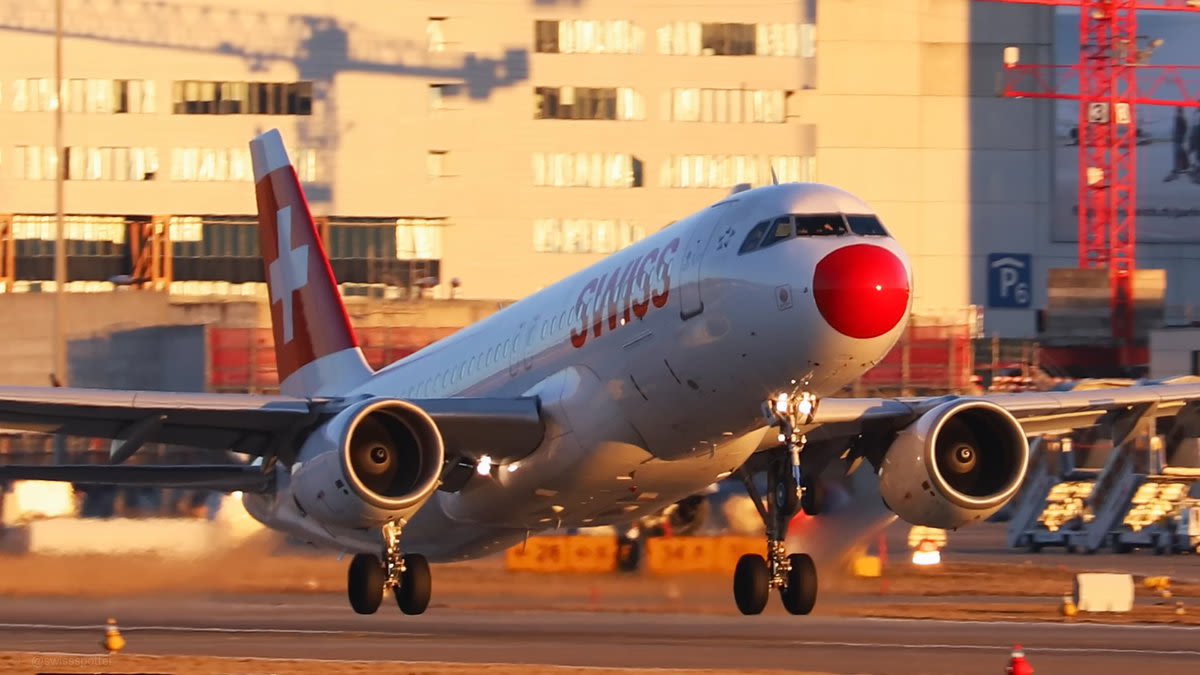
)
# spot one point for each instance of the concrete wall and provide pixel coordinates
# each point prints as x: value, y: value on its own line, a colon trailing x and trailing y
x: 26, y: 320
x: 26, y: 324
x: 1172, y: 350
x: 157, y: 358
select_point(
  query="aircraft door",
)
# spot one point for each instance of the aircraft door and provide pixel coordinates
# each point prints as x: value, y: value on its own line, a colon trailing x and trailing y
x: 699, y: 238
x: 522, y: 351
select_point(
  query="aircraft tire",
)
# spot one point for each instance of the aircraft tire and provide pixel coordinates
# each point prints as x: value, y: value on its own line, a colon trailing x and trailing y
x: 751, y: 584
x: 416, y: 585
x: 787, y: 502
x: 800, y: 594
x: 364, y: 583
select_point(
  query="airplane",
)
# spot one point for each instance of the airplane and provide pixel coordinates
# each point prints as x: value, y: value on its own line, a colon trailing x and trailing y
x: 711, y: 349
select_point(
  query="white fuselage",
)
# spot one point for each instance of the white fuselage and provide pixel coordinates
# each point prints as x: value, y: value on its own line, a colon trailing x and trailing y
x: 651, y: 385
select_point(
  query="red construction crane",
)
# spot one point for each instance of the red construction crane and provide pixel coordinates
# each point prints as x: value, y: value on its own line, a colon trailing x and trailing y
x: 1109, y: 81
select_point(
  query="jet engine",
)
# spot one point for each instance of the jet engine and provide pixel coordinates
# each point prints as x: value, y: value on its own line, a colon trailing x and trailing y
x: 374, y: 462
x: 958, y: 463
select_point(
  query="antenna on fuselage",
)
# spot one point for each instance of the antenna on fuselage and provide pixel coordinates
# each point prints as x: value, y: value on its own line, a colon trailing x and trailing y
x: 774, y: 178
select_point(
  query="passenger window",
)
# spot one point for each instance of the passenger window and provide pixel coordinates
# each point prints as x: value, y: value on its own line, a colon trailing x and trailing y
x: 866, y: 225
x: 755, y: 237
x: 829, y: 225
x: 781, y: 229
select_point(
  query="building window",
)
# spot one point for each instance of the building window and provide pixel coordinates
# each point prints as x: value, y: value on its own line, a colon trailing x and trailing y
x: 85, y: 95
x: 435, y: 163
x: 75, y: 228
x: 808, y: 40
x: 586, y: 169
x: 584, y: 235
x: 588, y: 103
x: 186, y: 229
x: 724, y: 171
x: 692, y: 38
x: 728, y: 105
x: 87, y: 163
x: 435, y: 31
x: 305, y: 162
x: 33, y: 95
x: 35, y: 162
x: 727, y: 39
x: 438, y: 95
x: 545, y: 37
x: 204, y: 97
x: 588, y: 36
x: 232, y: 164
x: 419, y: 238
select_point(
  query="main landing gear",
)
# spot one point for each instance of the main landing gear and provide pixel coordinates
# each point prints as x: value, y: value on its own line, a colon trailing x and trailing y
x: 407, y: 575
x: 793, y: 575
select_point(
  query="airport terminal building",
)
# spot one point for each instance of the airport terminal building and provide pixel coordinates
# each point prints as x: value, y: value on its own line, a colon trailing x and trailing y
x: 502, y: 146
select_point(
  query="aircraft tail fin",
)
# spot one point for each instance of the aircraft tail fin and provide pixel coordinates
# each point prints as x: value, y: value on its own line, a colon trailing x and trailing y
x: 316, y: 351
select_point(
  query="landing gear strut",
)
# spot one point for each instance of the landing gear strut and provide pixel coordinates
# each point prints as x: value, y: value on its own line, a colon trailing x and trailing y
x: 407, y: 575
x: 793, y: 575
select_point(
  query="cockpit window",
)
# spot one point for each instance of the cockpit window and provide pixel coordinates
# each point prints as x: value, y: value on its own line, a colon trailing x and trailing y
x: 773, y: 231
x: 866, y: 225
x: 780, y: 229
x: 827, y: 225
x: 755, y: 237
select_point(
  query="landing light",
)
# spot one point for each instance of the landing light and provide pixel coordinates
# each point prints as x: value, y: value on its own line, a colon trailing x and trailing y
x: 512, y: 468
x: 805, y: 407
x: 781, y: 404
x: 485, y: 466
x: 927, y: 555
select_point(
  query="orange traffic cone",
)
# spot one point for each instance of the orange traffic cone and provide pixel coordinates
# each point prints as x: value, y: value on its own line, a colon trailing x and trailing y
x: 1017, y: 665
x: 112, y: 642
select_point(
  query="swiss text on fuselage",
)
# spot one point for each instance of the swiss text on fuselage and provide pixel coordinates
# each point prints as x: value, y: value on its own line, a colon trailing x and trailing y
x: 617, y: 297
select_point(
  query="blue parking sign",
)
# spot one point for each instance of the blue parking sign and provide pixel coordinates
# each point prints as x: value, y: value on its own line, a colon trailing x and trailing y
x: 1009, y: 280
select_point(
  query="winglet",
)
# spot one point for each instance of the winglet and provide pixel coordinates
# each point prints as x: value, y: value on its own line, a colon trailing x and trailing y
x: 316, y: 351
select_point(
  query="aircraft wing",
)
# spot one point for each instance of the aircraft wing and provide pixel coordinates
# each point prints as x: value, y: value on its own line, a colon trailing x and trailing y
x: 470, y: 427
x: 1038, y: 412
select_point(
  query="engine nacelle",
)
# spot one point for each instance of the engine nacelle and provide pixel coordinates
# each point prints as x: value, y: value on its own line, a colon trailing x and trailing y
x: 374, y: 462
x: 959, y: 463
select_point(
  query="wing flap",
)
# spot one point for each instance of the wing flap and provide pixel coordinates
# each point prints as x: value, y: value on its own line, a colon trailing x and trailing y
x: 226, y: 478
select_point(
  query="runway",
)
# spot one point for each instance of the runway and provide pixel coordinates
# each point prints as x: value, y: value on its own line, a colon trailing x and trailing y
x: 322, y: 627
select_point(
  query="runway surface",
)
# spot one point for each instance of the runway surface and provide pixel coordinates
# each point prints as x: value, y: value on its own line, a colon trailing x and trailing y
x: 323, y: 627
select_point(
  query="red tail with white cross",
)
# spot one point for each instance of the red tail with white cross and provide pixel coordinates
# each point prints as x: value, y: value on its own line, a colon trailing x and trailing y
x: 315, y: 349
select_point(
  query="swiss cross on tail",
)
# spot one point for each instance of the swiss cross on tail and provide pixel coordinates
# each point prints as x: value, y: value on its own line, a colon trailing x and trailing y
x: 288, y: 273
x: 315, y: 349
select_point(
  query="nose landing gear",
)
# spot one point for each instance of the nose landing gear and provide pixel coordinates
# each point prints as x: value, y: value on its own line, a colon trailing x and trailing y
x: 407, y: 575
x: 795, y: 575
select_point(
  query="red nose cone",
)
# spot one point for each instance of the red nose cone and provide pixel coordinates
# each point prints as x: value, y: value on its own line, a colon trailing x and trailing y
x: 861, y: 290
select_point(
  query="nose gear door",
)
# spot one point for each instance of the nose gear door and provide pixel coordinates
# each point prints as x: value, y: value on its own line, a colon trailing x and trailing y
x: 698, y: 239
